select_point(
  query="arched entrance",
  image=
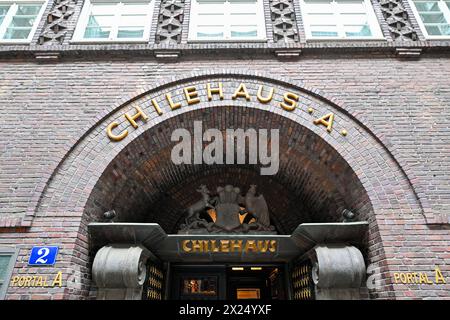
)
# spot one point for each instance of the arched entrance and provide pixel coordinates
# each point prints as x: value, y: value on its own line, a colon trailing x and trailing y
x: 313, y: 182
x: 323, y: 168
x: 313, y: 185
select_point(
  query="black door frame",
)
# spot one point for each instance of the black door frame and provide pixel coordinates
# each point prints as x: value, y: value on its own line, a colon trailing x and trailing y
x: 217, y: 269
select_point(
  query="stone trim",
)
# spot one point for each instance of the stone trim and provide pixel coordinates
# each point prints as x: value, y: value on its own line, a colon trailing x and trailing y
x: 170, y: 22
x: 283, y: 21
x: 56, y: 24
x: 146, y: 50
x: 398, y: 20
x: 155, y: 22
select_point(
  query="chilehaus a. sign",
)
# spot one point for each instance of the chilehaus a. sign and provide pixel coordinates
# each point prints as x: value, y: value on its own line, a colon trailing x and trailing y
x: 193, y: 95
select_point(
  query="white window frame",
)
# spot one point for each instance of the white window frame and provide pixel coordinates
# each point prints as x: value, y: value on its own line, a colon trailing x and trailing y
x: 261, y: 25
x: 78, y: 36
x: 9, y: 15
x: 374, y: 24
x: 445, y: 10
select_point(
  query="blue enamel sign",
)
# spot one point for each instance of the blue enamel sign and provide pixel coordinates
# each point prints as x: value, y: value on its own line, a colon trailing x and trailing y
x: 43, y: 256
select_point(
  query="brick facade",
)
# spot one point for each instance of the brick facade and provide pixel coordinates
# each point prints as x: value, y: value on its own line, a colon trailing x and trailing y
x: 59, y: 171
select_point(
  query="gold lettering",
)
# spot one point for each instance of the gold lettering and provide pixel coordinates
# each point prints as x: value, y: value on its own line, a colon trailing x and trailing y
x: 241, y: 91
x: 27, y: 282
x: 263, y: 245
x: 14, y: 281
x: 113, y: 136
x: 21, y: 281
x: 39, y: 282
x: 267, y: 98
x: 273, y: 246
x: 34, y: 280
x: 191, y: 95
x: 250, y: 245
x: 224, y: 245
x: 438, y: 275
x: 214, y: 248
x: 172, y: 105
x: 205, y: 246
x: 212, y: 91
x: 409, y: 278
x: 132, y: 119
x: 57, y: 280
x: 403, y: 278
x: 290, y: 101
x: 184, y: 245
x: 236, y: 244
x: 396, y: 277
x: 197, y: 246
x: 326, y: 120
x: 156, y: 106
x: 424, y: 278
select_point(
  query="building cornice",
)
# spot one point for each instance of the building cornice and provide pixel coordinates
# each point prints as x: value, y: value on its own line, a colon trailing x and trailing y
x: 175, y: 51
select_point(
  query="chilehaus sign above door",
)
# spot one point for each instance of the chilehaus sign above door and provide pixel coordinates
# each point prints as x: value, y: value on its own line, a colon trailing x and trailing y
x: 229, y: 246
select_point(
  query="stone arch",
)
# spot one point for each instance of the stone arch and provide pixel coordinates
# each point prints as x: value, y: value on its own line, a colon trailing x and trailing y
x: 382, y: 185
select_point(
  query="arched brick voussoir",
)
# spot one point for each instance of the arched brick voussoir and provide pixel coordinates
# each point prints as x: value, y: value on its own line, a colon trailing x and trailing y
x: 84, y: 161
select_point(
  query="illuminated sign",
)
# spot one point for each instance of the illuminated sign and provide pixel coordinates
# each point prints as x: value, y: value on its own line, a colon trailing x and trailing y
x: 229, y: 246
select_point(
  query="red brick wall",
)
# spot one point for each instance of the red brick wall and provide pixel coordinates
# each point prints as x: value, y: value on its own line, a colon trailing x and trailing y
x: 48, y: 107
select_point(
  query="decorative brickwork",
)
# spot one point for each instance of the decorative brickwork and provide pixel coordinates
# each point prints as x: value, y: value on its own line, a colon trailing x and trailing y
x: 170, y: 22
x: 284, y: 23
x: 302, y: 281
x: 398, y: 20
x: 55, y: 28
x: 58, y: 169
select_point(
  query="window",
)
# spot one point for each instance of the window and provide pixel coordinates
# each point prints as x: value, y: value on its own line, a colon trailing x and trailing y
x: 7, y: 259
x: 115, y: 21
x: 340, y: 19
x: 19, y: 20
x: 434, y: 17
x: 233, y: 20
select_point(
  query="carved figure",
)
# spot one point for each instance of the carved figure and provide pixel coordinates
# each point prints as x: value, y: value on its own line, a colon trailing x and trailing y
x: 227, y: 204
x: 348, y: 215
x: 257, y: 207
x: 199, y: 206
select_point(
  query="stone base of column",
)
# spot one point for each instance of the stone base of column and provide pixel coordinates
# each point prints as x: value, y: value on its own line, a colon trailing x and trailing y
x: 119, y: 271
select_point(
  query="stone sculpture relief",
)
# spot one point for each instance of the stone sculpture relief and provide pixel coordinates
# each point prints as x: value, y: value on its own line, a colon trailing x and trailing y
x: 223, y: 212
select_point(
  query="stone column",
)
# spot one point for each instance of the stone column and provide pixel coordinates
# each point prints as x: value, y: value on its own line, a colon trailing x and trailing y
x: 338, y: 272
x: 119, y: 271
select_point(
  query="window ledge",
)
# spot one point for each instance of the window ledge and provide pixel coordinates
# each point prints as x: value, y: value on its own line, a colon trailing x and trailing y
x: 346, y: 39
x: 12, y: 42
x: 429, y: 38
x: 79, y: 41
x: 195, y: 41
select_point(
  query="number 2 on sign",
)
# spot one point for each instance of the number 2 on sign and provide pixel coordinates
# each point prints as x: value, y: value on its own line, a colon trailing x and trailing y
x: 42, y: 252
